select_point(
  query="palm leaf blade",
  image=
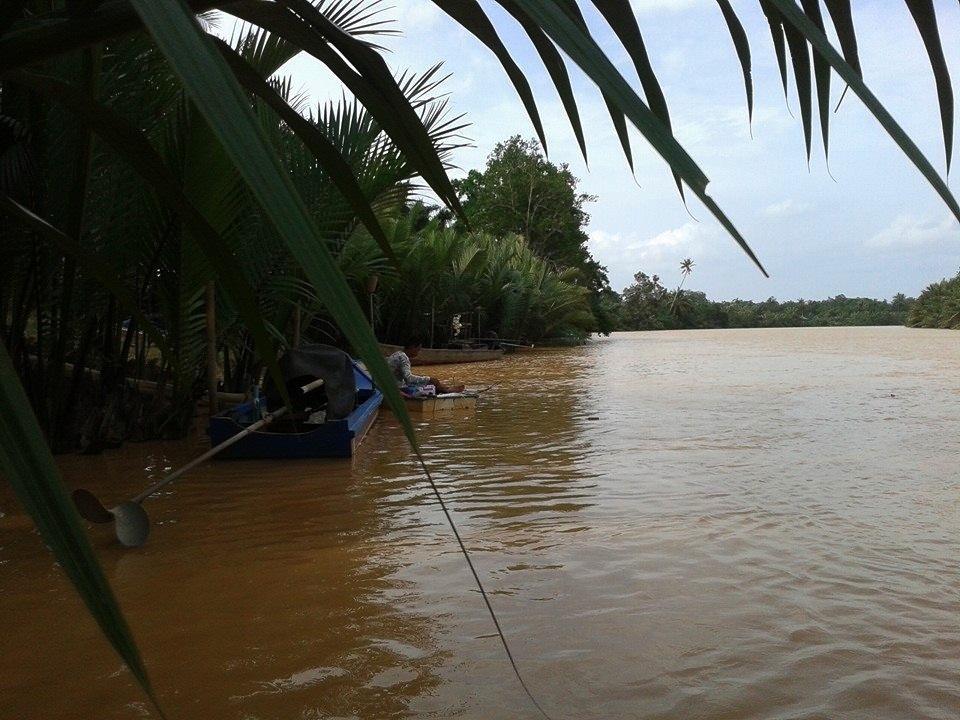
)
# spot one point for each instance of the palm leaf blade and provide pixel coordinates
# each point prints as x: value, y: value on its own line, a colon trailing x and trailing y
x: 742, y: 46
x: 470, y: 15
x: 619, y: 15
x: 792, y: 14
x: 209, y: 82
x: 553, y: 62
x: 584, y: 51
x: 926, y: 19
x: 26, y: 462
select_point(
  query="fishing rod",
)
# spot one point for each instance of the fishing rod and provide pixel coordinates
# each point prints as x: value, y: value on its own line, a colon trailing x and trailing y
x: 479, y: 583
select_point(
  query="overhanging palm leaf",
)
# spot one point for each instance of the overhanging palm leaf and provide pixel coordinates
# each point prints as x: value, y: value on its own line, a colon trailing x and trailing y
x: 27, y: 463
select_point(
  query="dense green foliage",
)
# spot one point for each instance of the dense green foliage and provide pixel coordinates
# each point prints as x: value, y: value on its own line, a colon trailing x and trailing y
x: 53, y: 307
x: 521, y: 192
x: 648, y: 305
x: 938, y: 306
x: 452, y: 283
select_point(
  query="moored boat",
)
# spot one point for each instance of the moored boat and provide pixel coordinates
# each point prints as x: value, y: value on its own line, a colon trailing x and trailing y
x: 447, y: 356
x: 333, y: 438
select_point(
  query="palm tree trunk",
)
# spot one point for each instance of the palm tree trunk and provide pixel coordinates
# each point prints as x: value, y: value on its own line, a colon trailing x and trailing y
x: 211, y: 315
x: 296, y: 325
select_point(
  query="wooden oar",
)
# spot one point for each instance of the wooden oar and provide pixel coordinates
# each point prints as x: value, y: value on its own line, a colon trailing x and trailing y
x: 132, y: 524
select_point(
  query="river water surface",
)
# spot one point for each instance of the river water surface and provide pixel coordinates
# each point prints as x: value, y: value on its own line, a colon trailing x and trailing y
x: 721, y: 524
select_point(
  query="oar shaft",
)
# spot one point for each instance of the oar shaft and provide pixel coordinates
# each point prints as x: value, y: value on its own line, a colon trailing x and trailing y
x: 266, y: 420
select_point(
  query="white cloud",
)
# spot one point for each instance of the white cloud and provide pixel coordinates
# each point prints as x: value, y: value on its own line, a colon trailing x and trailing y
x: 912, y: 231
x: 787, y: 208
x: 661, y: 253
x: 684, y: 236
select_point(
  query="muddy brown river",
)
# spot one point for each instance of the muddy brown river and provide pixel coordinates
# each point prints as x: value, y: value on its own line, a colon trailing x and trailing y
x: 734, y: 525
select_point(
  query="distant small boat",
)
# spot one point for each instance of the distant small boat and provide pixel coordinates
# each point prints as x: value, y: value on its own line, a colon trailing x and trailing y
x: 447, y: 356
x: 336, y: 438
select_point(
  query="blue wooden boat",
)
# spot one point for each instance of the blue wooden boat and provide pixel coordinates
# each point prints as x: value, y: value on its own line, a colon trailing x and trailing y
x: 336, y: 438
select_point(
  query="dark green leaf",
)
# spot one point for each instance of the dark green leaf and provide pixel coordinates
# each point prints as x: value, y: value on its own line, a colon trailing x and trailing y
x: 27, y: 464
x: 572, y: 11
x: 338, y: 169
x: 842, y: 20
x: 776, y: 32
x: 554, y: 64
x: 214, y: 90
x: 102, y: 274
x: 926, y: 19
x: 585, y: 52
x: 821, y: 70
x: 800, y: 57
x: 43, y: 39
x: 792, y: 14
x: 742, y: 45
x: 366, y: 76
x: 470, y: 15
x: 130, y: 144
x: 619, y: 15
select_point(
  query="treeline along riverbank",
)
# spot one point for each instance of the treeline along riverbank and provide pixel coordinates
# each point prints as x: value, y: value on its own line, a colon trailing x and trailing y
x: 649, y: 305
x: 938, y: 306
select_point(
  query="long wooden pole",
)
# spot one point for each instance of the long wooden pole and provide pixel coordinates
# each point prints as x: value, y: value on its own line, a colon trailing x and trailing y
x: 296, y: 325
x: 211, y: 315
x: 266, y: 420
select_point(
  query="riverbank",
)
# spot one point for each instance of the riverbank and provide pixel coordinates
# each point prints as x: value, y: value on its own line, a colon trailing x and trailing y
x: 703, y: 523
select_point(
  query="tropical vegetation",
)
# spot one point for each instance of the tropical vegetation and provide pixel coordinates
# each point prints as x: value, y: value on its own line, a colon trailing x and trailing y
x: 170, y: 205
x: 648, y: 305
x: 57, y: 314
x: 521, y: 192
x: 452, y: 284
x: 938, y: 306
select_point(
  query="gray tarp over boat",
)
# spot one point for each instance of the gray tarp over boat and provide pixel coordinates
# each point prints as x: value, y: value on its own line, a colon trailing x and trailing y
x: 309, y: 362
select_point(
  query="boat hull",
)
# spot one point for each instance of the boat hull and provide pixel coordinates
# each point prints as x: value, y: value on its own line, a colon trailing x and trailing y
x: 443, y: 356
x: 334, y: 439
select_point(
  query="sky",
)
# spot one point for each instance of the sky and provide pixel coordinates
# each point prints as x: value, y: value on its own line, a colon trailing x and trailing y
x: 868, y: 226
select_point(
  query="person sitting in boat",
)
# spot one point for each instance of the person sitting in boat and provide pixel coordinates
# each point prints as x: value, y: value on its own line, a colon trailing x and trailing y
x: 399, y: 364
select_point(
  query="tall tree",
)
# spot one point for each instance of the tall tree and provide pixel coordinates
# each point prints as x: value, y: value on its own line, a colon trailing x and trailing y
x: 521, y: 192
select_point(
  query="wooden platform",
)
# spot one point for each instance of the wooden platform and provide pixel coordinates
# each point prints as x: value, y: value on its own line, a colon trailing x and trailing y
x: 442, y: 404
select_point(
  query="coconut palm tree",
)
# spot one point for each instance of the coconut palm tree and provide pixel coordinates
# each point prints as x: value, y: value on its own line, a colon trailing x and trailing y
x: 686, y: 267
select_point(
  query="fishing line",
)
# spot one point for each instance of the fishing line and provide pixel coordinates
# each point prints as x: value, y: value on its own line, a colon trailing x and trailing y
x: 476, y: 578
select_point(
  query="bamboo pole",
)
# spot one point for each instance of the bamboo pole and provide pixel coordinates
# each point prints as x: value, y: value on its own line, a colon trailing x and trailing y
x: 212, y: 371
x: 296, y: 325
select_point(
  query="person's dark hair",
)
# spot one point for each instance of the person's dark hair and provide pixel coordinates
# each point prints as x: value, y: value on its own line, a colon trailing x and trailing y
x: 412, y: 342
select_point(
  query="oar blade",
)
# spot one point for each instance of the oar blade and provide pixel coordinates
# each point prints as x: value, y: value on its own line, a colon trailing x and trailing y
x: 133, y: 525
x: 89, y: 507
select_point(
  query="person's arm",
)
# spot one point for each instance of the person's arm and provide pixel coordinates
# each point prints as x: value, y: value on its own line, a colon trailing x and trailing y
x: 408, y: 377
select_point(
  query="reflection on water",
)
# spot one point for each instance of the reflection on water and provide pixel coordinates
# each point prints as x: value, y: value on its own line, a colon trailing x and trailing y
x: 729, y: 524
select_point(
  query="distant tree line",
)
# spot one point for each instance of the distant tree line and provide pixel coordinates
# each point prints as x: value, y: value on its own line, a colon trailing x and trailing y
x: 649, y: 305
x: 938, y: 306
